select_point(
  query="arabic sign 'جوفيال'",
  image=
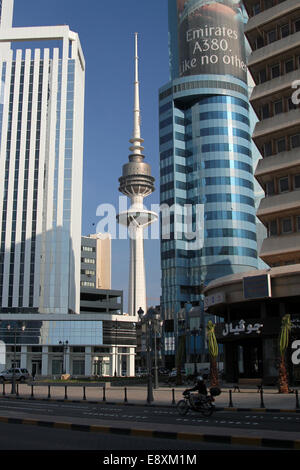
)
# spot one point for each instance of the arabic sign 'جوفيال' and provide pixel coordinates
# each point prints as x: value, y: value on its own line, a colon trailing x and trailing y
x: 241, y: 328
x: 211, y: 38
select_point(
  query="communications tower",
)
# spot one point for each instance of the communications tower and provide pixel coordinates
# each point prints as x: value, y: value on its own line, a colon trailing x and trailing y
x: 136, y: 182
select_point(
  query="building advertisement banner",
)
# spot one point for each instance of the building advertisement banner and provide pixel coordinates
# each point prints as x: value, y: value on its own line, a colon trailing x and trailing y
x: 257, y: 287
x: 211, y: 38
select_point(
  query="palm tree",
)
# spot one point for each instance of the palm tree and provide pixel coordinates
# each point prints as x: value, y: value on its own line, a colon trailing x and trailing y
x: 213, y: 353
x: 283, y: 344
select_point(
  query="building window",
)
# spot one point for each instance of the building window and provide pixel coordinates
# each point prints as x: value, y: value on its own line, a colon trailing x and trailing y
x: 291, y: 105
x: 88, y: 272
x: 273, y: 228
x: 87, y: 284
x: 297, y: 181
x: 280, y: 144
x: 78, y: 368
x: 88, y: 248
x: 285, y: 30
x: 78, y: 349
x: 57, y: 349
x: 259, y: 42
x: 275, y: 71
x: 88, y: 260
x: 272, y: 36
x: 283, y: 184
x: 298, y: 223
x: 265, y: 111
x: 268, y: 149
x: 297, y: 26
x: 289, y: 65
x: 256, y: 9
x: 295, y: 141
x: 278, y: 107
x: 262, y: 76
x: 56, y: 367
x: 270, y: 189
x: 269, y: 3
x: 286, y: 225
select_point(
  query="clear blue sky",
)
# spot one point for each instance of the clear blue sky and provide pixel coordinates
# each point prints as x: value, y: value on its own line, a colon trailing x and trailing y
x: 106, y: 30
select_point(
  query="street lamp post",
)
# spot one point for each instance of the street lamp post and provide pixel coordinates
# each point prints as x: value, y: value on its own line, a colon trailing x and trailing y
x: 116, y: 347
x: 155, y: 360
x: 145, y: 320
x: 14, y: 330
x: 65, y: 347
x: 157, y: 323
x: 151, y: 320
x: 195, y: 333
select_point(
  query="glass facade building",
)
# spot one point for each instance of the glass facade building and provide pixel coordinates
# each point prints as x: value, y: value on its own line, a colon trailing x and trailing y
x: 205, y: 160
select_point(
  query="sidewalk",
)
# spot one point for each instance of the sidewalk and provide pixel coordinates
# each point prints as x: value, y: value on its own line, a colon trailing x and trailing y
x: 247, y: 398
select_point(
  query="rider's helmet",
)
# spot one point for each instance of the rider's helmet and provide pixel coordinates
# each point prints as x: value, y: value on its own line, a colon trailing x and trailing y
x: 199, y: 379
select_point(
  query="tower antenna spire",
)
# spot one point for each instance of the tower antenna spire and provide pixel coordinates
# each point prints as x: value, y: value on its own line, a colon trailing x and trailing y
x: 136, y: 140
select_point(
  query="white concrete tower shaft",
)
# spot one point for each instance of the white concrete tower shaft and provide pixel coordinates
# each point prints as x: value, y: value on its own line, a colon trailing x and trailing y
x: 136, y: 183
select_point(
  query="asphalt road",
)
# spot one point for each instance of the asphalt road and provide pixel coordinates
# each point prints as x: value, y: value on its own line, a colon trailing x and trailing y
x: 143, y: 414
x: 27, y: 437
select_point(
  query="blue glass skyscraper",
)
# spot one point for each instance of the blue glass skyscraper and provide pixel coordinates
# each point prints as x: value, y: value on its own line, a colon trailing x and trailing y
x: 205, y: 157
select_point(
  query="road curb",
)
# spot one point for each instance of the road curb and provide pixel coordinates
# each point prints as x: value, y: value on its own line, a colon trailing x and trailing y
x: 260, y: 410
x: 183, y: 436
x: 113, y: 403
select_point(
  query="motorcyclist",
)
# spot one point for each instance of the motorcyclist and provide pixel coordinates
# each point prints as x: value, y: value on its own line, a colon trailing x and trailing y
x: 199, y: 387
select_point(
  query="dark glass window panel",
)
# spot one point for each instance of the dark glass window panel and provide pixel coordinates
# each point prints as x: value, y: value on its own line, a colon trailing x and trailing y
x: 270, y: 188
x: 297, y: 181
x: 256, y: 9
x: 262, y: 76
x: 272, y: 36
x: 284, y: 184
x: 265, y: 113
x: 295, y: 141
x: 289, y: 65
x: 260, y: 42
x: 275, y: 71
x: 268, y: 149
x: 281, y: 145
x: 273, y: 228
x: 297, y: 25
x: 291, y: 105
x: 286, y: 225
x: 278, y: 107
x: 269, y: 3
x: 285, y: 30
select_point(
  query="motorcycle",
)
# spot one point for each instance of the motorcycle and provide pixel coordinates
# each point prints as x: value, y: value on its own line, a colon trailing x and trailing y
x: 204, y: 405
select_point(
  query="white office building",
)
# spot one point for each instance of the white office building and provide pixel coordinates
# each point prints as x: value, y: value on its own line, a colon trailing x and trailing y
x: 41, y: 156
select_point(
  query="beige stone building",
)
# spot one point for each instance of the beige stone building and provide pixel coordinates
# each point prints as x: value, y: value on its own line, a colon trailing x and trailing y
x: 251, y: 305
x: 273, y: 31
x: 96, y: 261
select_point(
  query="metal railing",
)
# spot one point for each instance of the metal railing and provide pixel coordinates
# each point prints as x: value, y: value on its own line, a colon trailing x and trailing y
x: 168, y: 399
